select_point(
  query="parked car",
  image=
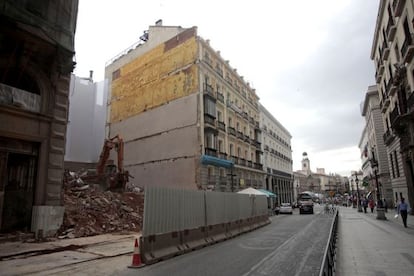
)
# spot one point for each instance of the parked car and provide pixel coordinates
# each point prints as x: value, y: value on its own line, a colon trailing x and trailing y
x: 286, y: 208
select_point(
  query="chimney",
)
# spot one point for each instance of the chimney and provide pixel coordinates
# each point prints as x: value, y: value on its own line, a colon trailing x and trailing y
x: 158, y: 22
x: 91, y: 75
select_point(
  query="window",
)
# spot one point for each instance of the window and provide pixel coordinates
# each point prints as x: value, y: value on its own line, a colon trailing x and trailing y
x: 392, y: 166
x: 396, y: 163
x: 221, y: 146
x: 231, y: 150
x: 210, y: 140
x: 209, y: 107
x: 230, y: 122
x: 219, y: 116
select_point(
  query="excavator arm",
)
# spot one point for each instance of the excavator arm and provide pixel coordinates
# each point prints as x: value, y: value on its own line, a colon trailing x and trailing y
x: 121, y: 177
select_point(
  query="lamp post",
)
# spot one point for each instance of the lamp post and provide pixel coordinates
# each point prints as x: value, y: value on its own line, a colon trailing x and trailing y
x: 380, y: 208
x: 359, y: 199
x: 353, y: 195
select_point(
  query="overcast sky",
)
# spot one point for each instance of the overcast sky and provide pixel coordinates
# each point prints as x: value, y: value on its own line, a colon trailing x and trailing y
x: 309, y: 60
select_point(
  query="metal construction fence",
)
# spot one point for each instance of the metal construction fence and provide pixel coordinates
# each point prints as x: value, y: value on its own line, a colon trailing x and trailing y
x: 328, y: 266
x: 177, y: 221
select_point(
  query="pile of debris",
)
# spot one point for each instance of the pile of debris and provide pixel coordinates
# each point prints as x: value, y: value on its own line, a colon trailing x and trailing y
x: 90, y: 210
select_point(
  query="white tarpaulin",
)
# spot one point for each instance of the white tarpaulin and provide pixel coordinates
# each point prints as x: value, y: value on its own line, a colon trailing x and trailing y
x: 251, y: 191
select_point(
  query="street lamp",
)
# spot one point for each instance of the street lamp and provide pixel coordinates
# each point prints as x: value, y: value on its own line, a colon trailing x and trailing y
x: 359, y: 199
x: 352, y: 193
x: 380, y: 208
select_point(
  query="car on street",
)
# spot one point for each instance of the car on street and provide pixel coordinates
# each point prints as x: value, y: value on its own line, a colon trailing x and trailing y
x: 305, y: 203
x: 286, y: 208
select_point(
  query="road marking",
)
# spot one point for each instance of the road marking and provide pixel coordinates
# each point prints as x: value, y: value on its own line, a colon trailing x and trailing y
x: 273, y: 253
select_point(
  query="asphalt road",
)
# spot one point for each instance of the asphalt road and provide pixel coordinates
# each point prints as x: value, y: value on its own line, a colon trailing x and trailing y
x: 290, y: 245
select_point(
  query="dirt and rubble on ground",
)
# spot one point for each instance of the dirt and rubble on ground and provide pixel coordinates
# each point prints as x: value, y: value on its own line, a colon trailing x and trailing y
x: 92, y: 210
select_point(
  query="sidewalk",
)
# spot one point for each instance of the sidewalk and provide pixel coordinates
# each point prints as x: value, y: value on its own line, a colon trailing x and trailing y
x: 19, y: 258
x: 367, y: 246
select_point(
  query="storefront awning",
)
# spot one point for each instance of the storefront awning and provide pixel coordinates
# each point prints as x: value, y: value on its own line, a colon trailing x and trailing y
x: 268, y: 193
x: 211, y: 160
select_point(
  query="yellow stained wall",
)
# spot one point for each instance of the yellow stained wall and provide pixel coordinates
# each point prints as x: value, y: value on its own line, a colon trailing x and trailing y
x: 157, y: 77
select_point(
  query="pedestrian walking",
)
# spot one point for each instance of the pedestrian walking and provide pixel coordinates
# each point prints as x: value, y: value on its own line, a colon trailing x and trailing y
x: 385, y: 205
x: 402, y: 209
x: 371, y: 205
x: 365, y: 204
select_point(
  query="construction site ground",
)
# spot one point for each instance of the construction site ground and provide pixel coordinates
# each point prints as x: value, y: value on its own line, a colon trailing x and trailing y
x: 90, y: 210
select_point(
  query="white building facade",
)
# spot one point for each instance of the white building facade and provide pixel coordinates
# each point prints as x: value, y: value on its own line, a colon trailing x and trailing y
x: 277, y: 157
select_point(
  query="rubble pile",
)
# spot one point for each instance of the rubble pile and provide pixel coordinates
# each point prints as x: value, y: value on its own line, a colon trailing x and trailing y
x: 89, y: 210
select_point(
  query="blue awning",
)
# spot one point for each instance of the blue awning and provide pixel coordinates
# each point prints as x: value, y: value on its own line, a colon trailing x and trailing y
x: 218, y: 162
x: 269, y: 194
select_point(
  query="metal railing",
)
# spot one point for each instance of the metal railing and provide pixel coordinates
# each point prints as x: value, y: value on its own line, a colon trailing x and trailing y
x: 329, y: 260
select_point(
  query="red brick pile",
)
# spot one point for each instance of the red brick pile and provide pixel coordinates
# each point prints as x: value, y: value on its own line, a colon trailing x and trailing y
x: 91, y: 211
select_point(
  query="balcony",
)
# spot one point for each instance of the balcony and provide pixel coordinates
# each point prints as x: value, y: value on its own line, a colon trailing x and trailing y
x: 208, y: 90
x: 392, y: 88
x: 222, y: 155
x: 385, y: 104
x: 231, y: 131
x: 266, y: 148
x: 235, y: 159
x: 385, y: 51
x: 209, y: 120
x: 381, y: 69
x: 247, y: 138
x: 391, y: 30
x: 210, y: 151
x: 407, y: 49
x: 378, y: 77
x: 388, y: 137
x: 398, y: 7
x: 258, y: 166
x: 250, y: 164
x: 12, y: 96
x: 388, y: 86
x: 240, y: 135
x: 221, y: 126
x: 242, y: 162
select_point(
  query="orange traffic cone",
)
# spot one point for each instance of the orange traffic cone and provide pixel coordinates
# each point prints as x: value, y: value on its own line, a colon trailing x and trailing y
x: 136, y: 257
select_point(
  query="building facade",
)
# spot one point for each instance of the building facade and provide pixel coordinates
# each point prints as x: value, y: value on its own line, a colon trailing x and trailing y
x: 188, y: 119
x: 323, y: 185
x: 86, y: 122
x: 37, y: 49
x: 277, y: 157
x: 374, y: 157
x: 392, y: 53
